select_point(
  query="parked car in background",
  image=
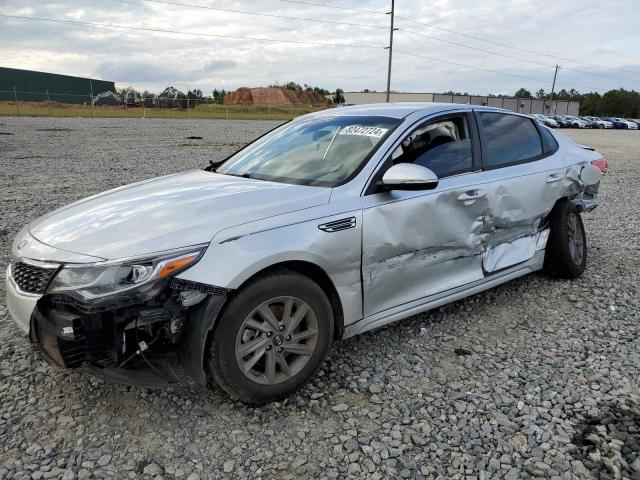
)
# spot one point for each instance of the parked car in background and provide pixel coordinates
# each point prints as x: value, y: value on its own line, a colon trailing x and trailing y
x: 590, y: 123
x: 622, y: 123
x: 601, y: 123
x: 561, y: 121
x: 633, y: 120
x: 341, y: 221
x: 544, y: 120
x: 617, y: 122
x: 576, y: 122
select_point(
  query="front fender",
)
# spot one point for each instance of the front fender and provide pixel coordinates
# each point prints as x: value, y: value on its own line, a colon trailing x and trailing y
x: 194, y: 344
x: 230, y: 263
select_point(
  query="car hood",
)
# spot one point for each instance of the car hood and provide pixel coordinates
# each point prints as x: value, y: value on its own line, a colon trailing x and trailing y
x: 168, y: 212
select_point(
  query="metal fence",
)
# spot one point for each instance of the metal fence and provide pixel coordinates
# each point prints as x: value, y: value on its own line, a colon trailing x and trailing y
x: 109, y: 104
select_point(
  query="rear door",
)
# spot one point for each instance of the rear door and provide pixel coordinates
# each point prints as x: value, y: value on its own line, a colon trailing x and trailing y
x: 525, y: 176
x: 419, y: 243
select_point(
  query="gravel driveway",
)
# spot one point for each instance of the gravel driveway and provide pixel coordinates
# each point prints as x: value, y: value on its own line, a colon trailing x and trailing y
x: 537, y: 378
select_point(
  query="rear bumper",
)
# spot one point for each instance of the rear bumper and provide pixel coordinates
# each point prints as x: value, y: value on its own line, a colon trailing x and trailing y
x: 21, y: 305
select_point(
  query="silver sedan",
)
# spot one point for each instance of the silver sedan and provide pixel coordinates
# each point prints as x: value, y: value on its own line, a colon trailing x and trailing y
x: 333, y: 224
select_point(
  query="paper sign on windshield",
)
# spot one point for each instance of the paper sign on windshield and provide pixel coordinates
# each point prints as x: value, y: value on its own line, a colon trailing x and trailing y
x: 376, y: 132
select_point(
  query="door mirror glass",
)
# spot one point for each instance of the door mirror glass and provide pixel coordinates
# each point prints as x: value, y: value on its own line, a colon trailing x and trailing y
x: 409, y: 176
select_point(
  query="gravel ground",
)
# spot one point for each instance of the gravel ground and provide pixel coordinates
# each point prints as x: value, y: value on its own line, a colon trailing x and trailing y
x: 537, y: 378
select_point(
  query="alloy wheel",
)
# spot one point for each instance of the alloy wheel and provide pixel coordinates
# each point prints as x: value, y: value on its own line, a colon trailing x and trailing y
x: 276, y: 340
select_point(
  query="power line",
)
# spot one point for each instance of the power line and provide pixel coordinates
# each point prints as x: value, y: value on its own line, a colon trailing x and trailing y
x: 469, y: 66
x: 475, y: 48
x: 474, y: 37
x: 483, y: 18
x: 177, y: 32
x: 510, y: 56
x: 271, y: 15
x: 166, y: 2
x: 473, y: 67
x: 300, y: 2
x: 288, y: 29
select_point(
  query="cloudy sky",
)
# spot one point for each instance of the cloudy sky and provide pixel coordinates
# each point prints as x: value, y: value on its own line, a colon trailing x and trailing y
x: 493, y: 46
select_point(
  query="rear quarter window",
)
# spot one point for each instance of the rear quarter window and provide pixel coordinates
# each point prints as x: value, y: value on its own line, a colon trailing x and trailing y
x: 509, y: 139
x: 550, y: 140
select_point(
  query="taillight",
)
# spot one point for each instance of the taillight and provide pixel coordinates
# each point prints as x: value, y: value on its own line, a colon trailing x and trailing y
x: 601, y: 164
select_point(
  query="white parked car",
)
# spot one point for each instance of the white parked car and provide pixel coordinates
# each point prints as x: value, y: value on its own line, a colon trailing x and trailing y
x: 601, y: 123
x: 547, y: 121
x: 333, y: 224
x: 576, y: 122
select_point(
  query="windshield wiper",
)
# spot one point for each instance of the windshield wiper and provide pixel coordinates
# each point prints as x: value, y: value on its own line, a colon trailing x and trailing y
x: 241, y: 175
x: 214, y: 164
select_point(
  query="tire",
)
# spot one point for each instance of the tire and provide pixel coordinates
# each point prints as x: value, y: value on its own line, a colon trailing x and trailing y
x: 232, y: 336
x: 566, y: 252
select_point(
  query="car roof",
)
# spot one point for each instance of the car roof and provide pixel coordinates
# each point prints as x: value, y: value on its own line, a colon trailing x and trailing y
x: 399, y: 109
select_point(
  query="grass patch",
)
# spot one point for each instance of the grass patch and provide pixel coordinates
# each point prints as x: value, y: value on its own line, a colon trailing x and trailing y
x: 207, y: 111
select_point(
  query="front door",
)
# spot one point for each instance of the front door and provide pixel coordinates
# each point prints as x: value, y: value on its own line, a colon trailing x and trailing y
x: 419, y: 243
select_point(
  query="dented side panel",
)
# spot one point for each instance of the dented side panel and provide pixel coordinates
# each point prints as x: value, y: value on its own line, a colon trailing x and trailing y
x: 517, y: 207
x: 416, y: 244
x: 520, y: 198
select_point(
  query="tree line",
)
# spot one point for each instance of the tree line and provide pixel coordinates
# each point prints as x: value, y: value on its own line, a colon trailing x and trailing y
x: 615, y: 103
x: 173, y: 97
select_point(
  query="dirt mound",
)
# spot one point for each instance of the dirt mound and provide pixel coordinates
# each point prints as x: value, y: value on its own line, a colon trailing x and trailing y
x: 273, y: 96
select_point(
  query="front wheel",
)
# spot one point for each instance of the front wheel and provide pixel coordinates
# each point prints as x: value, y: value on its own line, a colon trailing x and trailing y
x: 271, y: 338
x: 566, y: 252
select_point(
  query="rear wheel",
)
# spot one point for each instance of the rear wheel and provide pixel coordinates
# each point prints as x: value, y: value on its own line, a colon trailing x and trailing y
x: 271, y: 338
x: 566, y: 252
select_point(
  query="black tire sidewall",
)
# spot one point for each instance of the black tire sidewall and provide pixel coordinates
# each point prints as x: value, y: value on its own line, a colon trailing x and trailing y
x: 558, y: 259
x: 221, y: 360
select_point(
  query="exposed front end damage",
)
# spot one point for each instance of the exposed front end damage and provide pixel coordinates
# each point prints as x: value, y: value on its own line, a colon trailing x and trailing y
x: 156, y: 340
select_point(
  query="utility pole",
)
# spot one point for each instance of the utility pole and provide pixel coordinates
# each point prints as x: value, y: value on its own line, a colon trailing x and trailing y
x: 93, y: 102
x: 390, y: 47
x: 553, y: 88
x: 15, y: 95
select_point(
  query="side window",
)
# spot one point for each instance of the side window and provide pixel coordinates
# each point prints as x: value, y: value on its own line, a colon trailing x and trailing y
x: 552, y: 143
x: 509, y: 139
x: 443, y: 145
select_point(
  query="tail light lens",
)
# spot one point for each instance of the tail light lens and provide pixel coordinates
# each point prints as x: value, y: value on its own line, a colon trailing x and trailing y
x: 601, y: 164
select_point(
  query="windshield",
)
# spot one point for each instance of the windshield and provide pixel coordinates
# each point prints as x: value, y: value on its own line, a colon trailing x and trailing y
x: 320, y: 151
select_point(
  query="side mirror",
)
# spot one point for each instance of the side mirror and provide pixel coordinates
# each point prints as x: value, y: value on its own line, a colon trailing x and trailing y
x: 408, y: 176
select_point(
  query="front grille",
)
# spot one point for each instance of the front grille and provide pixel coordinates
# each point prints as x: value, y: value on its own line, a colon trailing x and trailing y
x: 32, y: 278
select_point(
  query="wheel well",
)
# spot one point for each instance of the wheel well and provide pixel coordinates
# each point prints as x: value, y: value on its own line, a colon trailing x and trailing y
x: 318, y: 275
x: 547, y: 219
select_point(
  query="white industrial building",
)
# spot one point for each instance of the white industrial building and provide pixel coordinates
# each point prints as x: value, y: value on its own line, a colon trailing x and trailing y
x: 521, y: 105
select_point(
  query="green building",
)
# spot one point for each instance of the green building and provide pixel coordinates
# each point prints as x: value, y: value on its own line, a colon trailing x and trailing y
x: 31, y: 86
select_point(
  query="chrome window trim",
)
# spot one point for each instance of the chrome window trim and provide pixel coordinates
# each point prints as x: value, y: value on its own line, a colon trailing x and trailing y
x: 401, y: 132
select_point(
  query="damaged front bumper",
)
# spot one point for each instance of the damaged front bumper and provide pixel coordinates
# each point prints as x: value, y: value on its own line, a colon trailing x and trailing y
x: 157, y: 342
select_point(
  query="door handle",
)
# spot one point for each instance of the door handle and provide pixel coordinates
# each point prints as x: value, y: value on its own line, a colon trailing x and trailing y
x: 555, y: 177
x: 472, y: 195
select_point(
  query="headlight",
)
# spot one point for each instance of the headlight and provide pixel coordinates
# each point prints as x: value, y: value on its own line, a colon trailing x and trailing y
x: 96, y: 281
